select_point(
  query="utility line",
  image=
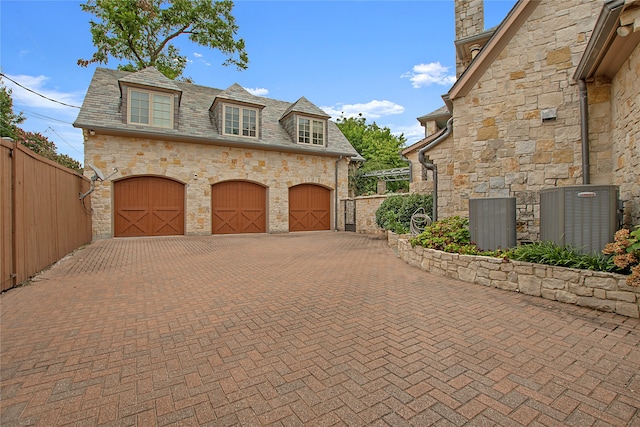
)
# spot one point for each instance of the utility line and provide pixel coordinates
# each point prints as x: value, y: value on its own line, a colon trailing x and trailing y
x: 33, y: 91
x: 42, y: 116
x: 72, y: 147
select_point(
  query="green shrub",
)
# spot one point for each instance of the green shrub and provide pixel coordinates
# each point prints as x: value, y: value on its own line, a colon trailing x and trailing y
x: 394, y: 214
x: 622, y: 256
x: 450, y: 235
x: 549, y: 253
x: 449, y: 232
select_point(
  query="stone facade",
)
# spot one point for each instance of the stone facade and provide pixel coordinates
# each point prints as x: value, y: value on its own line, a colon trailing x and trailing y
x: 365, y: 217
x: 215, y: 136
x: 625, y: 139
x: 601, y: 291
x: 470, y: 22
x: 199, y: 166
x: 501, y: 146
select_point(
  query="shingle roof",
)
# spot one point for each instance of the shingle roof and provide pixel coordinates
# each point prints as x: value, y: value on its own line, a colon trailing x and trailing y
x: 150, y: 76
x: 440, y: 112
x: 101, y: 111
x: 235, y: 92
x: 303, y: 105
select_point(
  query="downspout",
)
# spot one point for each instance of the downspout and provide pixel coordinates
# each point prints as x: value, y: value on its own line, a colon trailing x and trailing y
x: 337, y: 202
x: 404, y: 159
x: 584, y: 130
x: 433, y: 167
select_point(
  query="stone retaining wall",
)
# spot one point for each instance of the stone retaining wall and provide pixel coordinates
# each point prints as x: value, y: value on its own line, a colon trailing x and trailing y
x: 601, y: 291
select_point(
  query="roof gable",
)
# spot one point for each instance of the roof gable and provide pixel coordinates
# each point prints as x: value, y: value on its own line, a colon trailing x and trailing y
x: 150, y: 77
x: 303, y: 106
x: 237, y: 93
x: 502, y: 35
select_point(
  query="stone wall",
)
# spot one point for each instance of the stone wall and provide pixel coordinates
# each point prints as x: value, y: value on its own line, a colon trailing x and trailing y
x: 626, y: 136
x: 366, y: 207
x: 201, y: 165
x: 500, y: 147
x: 469, y: 22
x: 601, y: 291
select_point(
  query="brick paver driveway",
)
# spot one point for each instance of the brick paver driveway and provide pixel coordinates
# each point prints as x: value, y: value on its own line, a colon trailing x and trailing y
x: 300, y: 329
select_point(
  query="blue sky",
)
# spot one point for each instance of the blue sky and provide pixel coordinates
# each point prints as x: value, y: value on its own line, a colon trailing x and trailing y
x: 389, y: 60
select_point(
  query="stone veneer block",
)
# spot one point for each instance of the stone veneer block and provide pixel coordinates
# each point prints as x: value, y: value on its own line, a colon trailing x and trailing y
x: 627, y: 309
x: 597, y: 303
x: 581, y: 291
x: 550, y: 283
x: 530, y: 285
x: 566, y: 297
x: 621, y: 296
x: 601, y: 282
x: 566, y: 274
x: 467, y: 274
x: 548, y: 294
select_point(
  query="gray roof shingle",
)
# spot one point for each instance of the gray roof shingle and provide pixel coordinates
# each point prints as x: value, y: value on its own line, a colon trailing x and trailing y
x: 101, y: 111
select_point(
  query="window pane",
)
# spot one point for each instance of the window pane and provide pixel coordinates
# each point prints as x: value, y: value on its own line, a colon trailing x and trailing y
x: 304, y: 130
x: 161, y: 110
x: 318, y: 132
x: 139, y: 108
x: 232, y: 120
x: 249, y: 122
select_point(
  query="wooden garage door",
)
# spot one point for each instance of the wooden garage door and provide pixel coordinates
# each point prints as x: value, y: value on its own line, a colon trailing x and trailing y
x: 148, y: 206
x: 238, y: 207
x: 309, y: 208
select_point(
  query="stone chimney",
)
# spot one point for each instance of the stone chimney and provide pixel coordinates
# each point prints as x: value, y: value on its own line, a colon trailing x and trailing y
x: 469, y: 16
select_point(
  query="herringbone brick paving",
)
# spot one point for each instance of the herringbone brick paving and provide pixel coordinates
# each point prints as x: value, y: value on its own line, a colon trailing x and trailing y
x: 313, y: 329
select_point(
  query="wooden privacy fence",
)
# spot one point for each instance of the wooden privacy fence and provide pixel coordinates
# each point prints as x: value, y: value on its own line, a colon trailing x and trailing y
x: 42, y: 218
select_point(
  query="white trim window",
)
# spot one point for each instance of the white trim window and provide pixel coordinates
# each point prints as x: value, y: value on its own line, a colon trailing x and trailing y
x: 240, y: 121
x: 311, y: 131
x: 150, y: 108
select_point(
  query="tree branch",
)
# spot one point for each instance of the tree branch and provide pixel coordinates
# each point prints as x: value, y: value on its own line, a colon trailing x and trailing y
x: 170, y: 37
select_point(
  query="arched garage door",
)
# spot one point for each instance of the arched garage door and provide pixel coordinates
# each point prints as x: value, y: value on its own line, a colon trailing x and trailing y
x: 238, y: 207
x: 148, y: 206
x: 309, y: 208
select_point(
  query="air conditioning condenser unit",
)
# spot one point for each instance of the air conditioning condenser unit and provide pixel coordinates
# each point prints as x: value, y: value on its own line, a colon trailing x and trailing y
x: 582, y: 216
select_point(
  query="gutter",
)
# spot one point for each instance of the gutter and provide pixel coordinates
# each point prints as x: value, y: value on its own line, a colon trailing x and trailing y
x: 433, y: 167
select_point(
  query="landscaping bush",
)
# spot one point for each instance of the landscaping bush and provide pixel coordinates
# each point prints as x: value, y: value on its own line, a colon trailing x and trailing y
x: 622, y: 256
x: 450, y: 235
x: 625, y: 253
x: 549, y: 253
x: 394, y: 214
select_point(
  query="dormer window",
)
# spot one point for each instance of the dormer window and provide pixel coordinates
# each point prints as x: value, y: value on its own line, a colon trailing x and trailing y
x: 240, y: 121
x: 311, y: 131
x: 150, y: 108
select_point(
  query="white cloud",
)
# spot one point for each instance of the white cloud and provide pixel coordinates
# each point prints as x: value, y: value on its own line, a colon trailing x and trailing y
x: 38, y: 84
x: 197, y: 55
x: 412, y: 134
x: 48, y: 117
x: 258, y: 91
x: 371, y: 110
x: 427, y: 74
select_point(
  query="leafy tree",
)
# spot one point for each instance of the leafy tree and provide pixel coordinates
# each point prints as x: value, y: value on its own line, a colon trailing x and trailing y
x: 36, y: 142
x: 142, y: 31
x: 9, y: 121
x: 379, y: 147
